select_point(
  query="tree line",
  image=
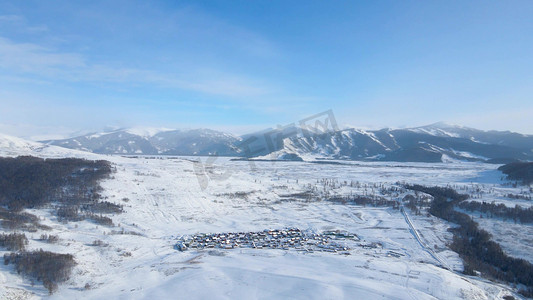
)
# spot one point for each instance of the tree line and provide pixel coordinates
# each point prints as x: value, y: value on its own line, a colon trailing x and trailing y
x: 521, y: 171
x: 474, y: 245
x: 491, y: 210
x: 365, y: 201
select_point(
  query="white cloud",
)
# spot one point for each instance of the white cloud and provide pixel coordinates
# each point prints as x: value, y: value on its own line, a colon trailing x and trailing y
x: 518, y: 120
x: 22, y: 24
x: 12, y: 19
x: 36, y: 133
x: 33, y: 59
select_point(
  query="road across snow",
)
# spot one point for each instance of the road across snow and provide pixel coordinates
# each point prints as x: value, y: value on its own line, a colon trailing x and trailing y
x: 419, y: 240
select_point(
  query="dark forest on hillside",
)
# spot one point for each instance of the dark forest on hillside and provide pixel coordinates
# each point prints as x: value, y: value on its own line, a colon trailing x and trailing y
x: 70, y: 187
x: 520, y: 171
x: 48, y: 267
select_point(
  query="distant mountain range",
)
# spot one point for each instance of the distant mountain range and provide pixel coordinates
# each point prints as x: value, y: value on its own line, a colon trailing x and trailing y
x: 150, y: 142
x: 433, y: 143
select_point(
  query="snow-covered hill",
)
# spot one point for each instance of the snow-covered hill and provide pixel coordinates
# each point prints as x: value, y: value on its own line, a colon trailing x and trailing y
x: 11, y: 146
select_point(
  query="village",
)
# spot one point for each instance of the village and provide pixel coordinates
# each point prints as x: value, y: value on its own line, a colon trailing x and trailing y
x: 286, y: 239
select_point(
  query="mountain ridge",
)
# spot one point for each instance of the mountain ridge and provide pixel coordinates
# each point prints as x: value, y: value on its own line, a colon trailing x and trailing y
x: 436, y: 142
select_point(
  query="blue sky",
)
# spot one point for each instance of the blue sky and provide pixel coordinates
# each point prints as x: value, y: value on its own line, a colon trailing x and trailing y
x: 238, y: 66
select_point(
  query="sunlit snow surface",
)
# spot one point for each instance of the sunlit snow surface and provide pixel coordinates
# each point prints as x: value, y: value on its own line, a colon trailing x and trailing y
x: 163, y: 200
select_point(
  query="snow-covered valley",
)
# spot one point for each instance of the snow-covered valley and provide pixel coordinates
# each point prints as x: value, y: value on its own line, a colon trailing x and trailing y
x: 166, y: 198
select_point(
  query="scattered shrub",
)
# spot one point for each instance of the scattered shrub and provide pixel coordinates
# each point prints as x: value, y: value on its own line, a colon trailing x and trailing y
x: 20, y: 220
x: 99, y: 243
x: 13, y: 241
x: 49, y: 238
x: 100, y: 220
x: 103, y: 207
x: 375, y: 201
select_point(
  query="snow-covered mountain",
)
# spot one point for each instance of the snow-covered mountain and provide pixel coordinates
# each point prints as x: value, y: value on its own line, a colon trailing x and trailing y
x: 195, y: 142
x: 433, y: 143
x: 506, y: 138
x: 152, y: 141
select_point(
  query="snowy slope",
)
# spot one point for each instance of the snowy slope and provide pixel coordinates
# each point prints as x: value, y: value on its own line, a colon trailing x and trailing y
x: 13, y: 146
x: 423, y: 144
x: 165, y: 202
